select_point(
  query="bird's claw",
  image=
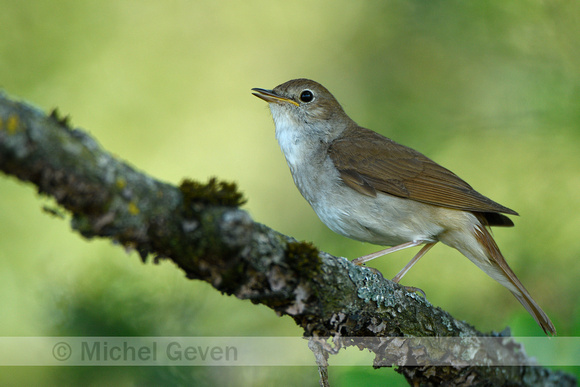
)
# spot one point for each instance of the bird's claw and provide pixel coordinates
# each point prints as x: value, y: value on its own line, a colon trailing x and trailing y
x: 412, y: 289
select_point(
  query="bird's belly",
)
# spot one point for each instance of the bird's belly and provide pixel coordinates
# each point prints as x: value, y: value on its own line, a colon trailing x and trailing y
x: 383, y: 220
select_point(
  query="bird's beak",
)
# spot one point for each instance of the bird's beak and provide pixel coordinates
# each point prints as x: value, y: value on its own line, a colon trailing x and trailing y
x: 269, y: 96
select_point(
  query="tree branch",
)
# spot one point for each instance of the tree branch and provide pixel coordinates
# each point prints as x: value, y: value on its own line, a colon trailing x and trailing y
x: 201, y: 229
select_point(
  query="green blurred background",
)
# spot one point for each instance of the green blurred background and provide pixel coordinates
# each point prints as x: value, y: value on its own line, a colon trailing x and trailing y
x: 490, y: 90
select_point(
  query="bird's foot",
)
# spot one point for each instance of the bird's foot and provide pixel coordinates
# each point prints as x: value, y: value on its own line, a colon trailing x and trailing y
x: 412, y: 289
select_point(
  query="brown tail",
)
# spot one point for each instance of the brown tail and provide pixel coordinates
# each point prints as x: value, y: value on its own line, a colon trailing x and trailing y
x: 498, y: 269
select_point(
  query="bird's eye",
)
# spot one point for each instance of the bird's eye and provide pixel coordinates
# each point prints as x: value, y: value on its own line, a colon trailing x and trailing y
x: 306, y: 96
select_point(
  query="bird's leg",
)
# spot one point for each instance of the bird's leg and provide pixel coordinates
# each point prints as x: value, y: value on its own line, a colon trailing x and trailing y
x: 413, y: 261
x: 408, y: 266
x: 365, y: 258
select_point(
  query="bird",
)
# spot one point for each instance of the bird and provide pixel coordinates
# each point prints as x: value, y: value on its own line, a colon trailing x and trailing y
x: 369, y: 188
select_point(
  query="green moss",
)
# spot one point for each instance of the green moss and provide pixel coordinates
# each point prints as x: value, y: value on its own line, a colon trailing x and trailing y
x: 54, y: 211
x: 234, y: 277
x: 13, y: 125
x: 57, y: 116
x: 219, y: 193
x: 303, y: 257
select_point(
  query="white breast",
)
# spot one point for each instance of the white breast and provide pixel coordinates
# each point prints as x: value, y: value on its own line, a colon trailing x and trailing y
x: 384, y: 220
x: 288, y: 137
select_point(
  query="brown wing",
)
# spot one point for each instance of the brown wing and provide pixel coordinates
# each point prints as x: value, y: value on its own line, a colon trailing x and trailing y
x: 369, y: 162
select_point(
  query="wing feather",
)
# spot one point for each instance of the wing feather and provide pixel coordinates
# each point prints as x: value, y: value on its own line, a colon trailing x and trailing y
x: 369, y: 162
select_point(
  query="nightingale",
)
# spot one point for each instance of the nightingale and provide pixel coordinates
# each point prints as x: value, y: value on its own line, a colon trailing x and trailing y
x: 367, y: 187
